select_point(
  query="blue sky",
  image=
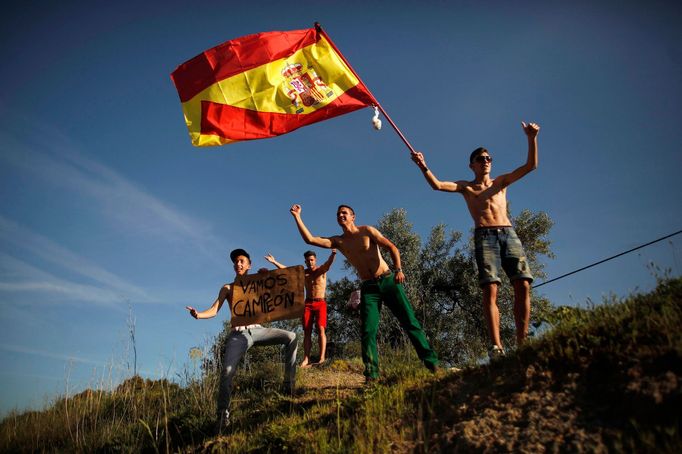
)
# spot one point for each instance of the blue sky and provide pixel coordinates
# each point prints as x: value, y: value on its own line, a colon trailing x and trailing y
x: 105, y: 205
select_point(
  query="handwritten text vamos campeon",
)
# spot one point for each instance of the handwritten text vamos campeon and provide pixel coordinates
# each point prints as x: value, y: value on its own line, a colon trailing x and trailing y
x: 268, y: 296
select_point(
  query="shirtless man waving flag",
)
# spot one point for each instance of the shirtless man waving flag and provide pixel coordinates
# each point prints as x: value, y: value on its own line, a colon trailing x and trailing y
x: 497, y: 245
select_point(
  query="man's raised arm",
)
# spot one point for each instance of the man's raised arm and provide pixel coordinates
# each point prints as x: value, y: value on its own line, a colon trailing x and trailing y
x: 326, y: 265
x: 272, y: 260
x: 295, y: 211
x: 436, y: 184
x: 531, y: 130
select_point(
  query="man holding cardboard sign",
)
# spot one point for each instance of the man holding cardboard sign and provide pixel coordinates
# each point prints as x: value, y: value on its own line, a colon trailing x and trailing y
x: 262, y: 298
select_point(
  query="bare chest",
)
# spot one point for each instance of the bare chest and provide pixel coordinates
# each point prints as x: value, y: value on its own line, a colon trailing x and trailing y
x: 356, y: 244
x: 484, y: 191
x: 485, y: 197
x: 313, y: 280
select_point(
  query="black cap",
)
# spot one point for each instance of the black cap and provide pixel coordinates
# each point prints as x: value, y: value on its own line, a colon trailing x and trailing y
x: 237, y: 252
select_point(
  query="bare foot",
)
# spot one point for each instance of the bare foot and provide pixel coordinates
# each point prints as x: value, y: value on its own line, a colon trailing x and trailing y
x: 321, y: 361
x: 305, y: 364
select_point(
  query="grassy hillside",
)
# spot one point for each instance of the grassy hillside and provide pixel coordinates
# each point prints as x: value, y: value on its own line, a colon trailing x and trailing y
x: 605, y: 379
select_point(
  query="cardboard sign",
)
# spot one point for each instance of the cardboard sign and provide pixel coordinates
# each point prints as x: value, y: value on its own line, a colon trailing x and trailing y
x: 266, y: 297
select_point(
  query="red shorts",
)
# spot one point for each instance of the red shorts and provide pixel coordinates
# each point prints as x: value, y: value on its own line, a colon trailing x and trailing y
x: 315, y: 308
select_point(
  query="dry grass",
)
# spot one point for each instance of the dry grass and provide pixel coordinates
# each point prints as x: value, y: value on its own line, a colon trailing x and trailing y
x: 607, y: 379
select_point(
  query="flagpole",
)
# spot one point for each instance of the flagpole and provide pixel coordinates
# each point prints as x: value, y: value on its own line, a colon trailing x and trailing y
x: 318, y: 27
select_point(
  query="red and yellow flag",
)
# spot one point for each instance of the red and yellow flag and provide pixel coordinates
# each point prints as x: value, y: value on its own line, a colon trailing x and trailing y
x: 265, y: 85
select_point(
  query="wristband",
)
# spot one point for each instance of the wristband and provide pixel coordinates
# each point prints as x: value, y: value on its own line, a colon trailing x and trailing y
x: 398, y: 270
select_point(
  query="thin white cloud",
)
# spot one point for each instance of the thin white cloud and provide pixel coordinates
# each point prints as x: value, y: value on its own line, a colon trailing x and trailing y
x: 47, y: 354
x: 49, y: 158
x: 52, y: 252
x: 58, y: 163
x: 70, y: 358
x: 19, y: 276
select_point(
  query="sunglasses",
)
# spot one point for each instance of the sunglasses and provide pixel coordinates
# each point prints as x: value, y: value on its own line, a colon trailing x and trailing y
x: 481, y: 159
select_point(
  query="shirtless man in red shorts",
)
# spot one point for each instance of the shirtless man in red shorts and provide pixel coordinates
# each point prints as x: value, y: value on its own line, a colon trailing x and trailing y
x: 315, y: 304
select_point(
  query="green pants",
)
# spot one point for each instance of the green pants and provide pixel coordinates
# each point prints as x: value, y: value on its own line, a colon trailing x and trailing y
x: 386, y: 290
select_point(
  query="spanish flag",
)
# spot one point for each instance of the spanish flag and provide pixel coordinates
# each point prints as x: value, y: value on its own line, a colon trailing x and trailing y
x: 265, y: 85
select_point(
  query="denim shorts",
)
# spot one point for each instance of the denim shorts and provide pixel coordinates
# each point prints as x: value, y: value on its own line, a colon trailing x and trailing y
x: 500, y: 247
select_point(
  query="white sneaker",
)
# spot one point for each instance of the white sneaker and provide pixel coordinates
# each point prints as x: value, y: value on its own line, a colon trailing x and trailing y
x: 495, y: 352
